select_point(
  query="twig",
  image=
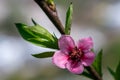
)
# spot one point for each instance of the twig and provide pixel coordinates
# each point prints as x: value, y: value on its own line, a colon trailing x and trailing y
x: 51, y: 12
x: 93, y: 72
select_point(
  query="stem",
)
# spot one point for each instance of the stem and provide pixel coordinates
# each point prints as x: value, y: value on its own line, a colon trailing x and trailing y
x: 93, y: 72
x: 51, y: 12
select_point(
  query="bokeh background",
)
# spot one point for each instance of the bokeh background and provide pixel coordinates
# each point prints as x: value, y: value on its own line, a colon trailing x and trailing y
x: 99, y: 19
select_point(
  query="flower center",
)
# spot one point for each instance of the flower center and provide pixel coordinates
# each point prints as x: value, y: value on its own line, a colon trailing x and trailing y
x: 75, y: 54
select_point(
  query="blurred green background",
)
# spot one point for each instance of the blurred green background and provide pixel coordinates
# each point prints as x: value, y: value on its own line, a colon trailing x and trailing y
x: 99, y: 19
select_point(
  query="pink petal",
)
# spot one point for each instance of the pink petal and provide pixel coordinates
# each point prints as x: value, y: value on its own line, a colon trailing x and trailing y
x: 66, y: 43
x: 60, y: 59
x: 85, y: 44
x: 75, y: 68
x: 88, y: 58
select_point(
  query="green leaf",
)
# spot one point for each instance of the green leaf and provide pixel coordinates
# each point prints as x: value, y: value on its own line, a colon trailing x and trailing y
x: 55, y: 40
x: 43, y: 55
x: 98, y: 63
x: 117, y: 75
x: 37, y: 35
x: 68, y: 19
x: 86, y: 74
x: 111, y: 72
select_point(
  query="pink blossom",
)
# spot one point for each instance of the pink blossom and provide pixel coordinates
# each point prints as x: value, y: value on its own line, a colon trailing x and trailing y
x: 74, y: 57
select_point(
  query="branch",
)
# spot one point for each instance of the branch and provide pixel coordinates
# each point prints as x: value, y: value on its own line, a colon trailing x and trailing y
x: 51, y: 12
x: 93, y: 72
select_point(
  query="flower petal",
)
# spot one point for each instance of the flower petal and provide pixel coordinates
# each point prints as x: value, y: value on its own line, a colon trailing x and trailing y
x: 60, y: 59
x: 88, y: 58
x: 85, y: 44
x: 76, y: 68
x: 66, y: 43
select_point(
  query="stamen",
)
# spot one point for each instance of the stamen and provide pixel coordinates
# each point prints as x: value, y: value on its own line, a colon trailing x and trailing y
x: 75, y: 55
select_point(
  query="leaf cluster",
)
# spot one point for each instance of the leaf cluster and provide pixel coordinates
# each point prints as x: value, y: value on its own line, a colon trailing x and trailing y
x: 39, y: 36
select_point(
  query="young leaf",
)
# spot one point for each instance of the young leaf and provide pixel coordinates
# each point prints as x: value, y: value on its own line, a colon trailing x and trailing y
x: 117, y: 75
x: 43, y: 55
x: 68, y: 19
x: 50, y: 1
x: 98, y: 63
x: 111, y: 72
x: 55, y: 40
x: 37, y: 35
